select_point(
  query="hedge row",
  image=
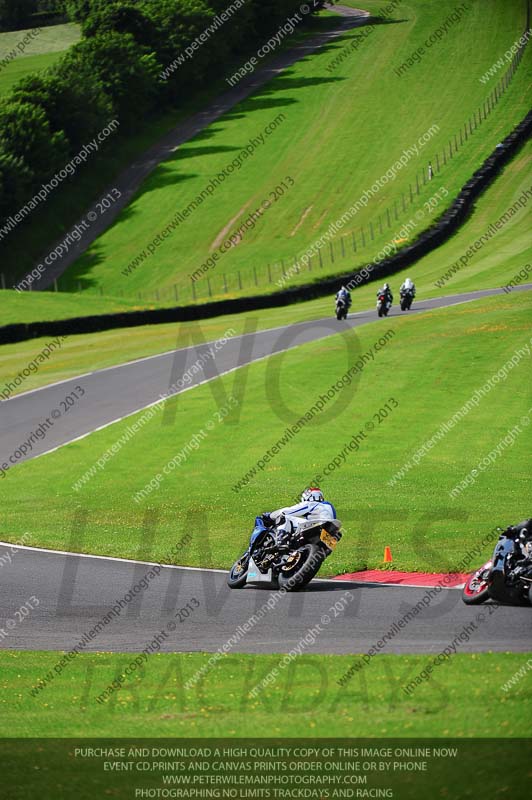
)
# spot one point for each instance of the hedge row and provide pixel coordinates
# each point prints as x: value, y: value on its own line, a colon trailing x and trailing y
x: 429, y: 240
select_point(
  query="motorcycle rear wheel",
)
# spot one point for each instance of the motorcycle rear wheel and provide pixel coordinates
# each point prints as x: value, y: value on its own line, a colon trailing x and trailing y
x: 476, y: 590
x: 238, y: 573
x: 311, y: 558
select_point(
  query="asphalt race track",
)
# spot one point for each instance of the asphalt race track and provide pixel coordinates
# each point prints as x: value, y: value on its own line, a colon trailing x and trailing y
x: 75, y: 593
x: 114, y: 393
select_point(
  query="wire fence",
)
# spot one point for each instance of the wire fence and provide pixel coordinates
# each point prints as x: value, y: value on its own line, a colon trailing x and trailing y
x: 340, y: 253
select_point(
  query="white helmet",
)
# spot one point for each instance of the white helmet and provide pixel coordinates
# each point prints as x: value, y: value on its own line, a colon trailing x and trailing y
x: 408, y: 282
x: 312, y: 494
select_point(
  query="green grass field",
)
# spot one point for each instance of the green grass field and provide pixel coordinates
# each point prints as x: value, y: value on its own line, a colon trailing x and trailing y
x: 446, y: 355
x: 490, y: 267
x: 428, y: 369
x: 306, y: 702
x: 500, y: 260
x: 52, y: 39
x: 30, y: 243
x: 330, y: 119
x: 39, y: 54
x: 494, y: 265
x: 48, y: 306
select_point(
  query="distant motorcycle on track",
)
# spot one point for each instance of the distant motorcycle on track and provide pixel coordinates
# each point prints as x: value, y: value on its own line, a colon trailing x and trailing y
x: 341, y: 309
x: 383, y: 305
x: 407, y: 298
x: 507, y: 577
x: 287, y: 561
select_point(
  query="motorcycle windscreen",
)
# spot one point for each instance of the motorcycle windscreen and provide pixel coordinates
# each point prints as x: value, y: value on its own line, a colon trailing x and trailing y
x: 259, y: 528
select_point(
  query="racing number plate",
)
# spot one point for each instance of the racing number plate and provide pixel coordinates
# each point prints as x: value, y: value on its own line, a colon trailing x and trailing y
x: 328, y: 539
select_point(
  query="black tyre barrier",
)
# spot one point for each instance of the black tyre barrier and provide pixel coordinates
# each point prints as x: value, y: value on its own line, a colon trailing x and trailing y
x: 428, y: 240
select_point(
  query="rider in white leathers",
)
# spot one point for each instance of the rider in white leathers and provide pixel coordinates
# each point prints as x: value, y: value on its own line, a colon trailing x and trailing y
x: 312, y: 507
x: 345, y: 295
x: 409, y: 285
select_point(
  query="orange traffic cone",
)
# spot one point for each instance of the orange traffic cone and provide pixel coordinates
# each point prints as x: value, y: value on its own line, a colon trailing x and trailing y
x: 387, y: 555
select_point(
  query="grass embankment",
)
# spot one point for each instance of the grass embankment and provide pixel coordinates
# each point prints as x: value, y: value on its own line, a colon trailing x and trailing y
x: 498, y: 262
x: 349, y: 124
x: 512, y: 243
x: 495, y: 264
x: 431, y: 367
x: 39, y: 51
x: 305, y: 702
x: 30, y: 242
x: 47, y: 306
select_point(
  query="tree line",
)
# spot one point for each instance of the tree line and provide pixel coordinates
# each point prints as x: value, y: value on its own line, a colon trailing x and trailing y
x: 18, y: 14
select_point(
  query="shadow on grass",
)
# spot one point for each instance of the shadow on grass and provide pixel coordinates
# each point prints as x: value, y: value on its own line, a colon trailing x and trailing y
x: 78, y: 276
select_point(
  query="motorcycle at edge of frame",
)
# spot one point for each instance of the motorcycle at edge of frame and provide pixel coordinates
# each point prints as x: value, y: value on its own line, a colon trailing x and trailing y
x: 507, y: 577
x: 286, y: 561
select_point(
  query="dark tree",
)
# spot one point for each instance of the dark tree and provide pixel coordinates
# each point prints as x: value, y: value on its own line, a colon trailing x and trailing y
x: 15, y: 183
x: 15, y: 14
x: 79, y: 108
x: 122, y: 17
x: 127, y: 72
x: 25, y: 133
x: 80, y: 10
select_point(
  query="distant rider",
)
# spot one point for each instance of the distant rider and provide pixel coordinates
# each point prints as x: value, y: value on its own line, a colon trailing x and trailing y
x: 345, y: 296
x: 313, y: 506
x: 408, y: 286
x: 387, y: 292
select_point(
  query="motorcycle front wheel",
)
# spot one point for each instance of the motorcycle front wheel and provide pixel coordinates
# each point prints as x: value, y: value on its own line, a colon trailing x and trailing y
x: 302, y: 566
x: 476, y: 590
x: 238, y: 573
